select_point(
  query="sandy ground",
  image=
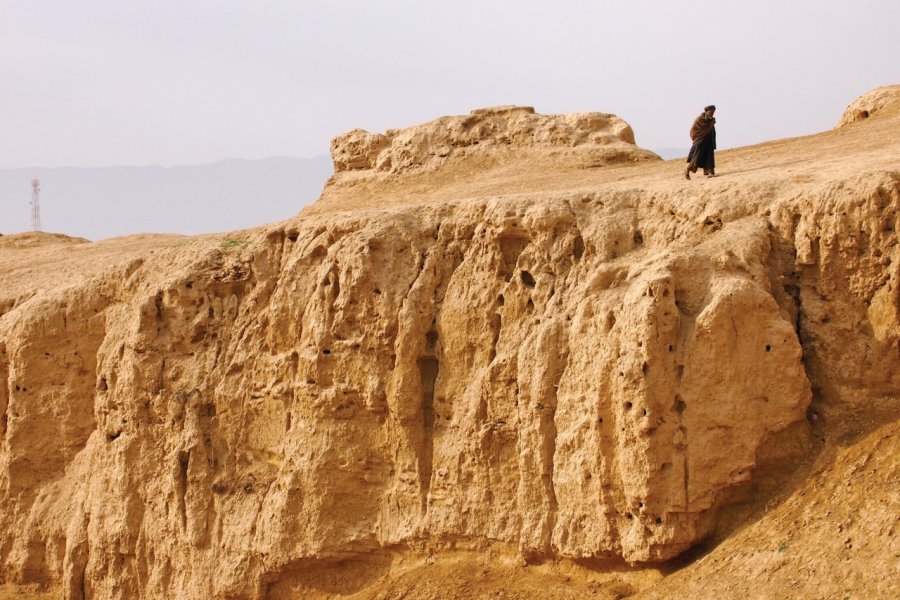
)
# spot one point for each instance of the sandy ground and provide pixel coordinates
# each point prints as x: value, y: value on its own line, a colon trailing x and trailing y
x: 792, y: 165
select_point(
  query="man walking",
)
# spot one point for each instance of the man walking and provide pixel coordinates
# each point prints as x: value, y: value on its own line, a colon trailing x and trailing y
x: 703, y: 138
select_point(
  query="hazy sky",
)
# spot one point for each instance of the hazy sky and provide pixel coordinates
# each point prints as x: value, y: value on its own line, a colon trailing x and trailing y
x: 112, y: 82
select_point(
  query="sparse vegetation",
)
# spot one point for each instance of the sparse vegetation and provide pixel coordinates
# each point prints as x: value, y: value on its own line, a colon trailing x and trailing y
x: 229, y: 243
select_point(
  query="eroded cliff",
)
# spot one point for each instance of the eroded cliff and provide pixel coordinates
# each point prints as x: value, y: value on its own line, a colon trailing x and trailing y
x: 575, y: 363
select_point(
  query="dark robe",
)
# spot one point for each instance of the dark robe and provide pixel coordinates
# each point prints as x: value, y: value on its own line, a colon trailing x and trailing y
x: 703, y: 136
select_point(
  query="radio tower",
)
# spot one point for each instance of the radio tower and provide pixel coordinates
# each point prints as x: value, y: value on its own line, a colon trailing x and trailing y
x: 35, y: 205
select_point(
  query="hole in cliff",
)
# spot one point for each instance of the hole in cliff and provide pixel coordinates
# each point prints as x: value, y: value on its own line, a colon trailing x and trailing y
x: 292, y: 236
x: 511, y: 246
x: 578, y: 250
x: 628, y: 405
x: 638, y: 238
x: 530, y: 306
x: 431, y: 340
x: 102, y: 385
x: 640, y: 343
x: 189, y: 285
x: 645, y: 412
x: 610, y: 321
x: 768, y: 348
x: 501, y: 300
x: 645, y: 368
x: 527, y: 279
x: 658, y: 520
x: 113, y: 436
x: 376, y: 291
x: 326, y: 351
x: 18, y: 389
x: 864, y: 114
x: 671, y: 348
x: 629, y: 516
x: 679, y: 405
x: 295, y: 360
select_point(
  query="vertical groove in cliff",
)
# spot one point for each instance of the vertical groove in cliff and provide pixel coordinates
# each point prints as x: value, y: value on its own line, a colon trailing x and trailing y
x: 4, y: 392
x: 550, y: 433
x: 181, y: 487
x: 428, y: 372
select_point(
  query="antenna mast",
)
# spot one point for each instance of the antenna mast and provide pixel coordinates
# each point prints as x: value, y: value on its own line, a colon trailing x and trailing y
x: 35, y: 205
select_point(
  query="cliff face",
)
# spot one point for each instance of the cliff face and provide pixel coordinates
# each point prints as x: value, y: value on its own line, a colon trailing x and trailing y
x: 589, y: 371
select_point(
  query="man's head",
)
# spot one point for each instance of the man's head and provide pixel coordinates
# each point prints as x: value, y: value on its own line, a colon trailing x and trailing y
x: 710, y: 110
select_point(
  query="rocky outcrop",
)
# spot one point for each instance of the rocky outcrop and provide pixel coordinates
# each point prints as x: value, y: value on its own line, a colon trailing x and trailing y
x: 881, y: 100
x: 509, y: 129
x: 584, y: 374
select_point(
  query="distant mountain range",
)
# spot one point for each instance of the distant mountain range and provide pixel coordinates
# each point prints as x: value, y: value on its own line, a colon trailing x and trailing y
x: 98, y: 203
